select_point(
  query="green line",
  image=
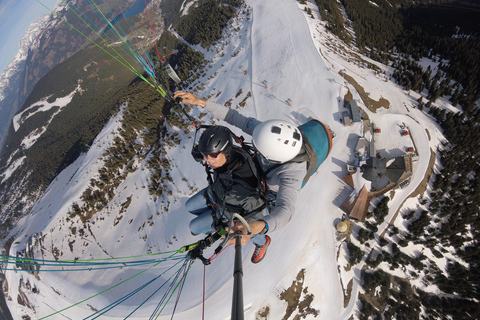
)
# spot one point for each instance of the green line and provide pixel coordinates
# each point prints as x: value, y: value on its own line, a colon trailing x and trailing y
x: 112, y: 28
x: 130, y: 67
x: 134, y: 71
x: 183, y: 279
x: 96, y: 295
x: 162, y: 92
x: 157, y: 87
x: 15, y: 259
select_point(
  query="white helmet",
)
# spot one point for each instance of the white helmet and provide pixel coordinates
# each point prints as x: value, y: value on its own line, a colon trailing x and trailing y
x: 277, y: 140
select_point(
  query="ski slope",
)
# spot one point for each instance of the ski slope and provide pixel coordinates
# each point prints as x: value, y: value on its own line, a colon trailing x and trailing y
x: 277, y: 59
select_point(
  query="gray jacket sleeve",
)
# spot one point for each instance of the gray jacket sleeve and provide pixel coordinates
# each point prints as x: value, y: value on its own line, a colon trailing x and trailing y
x: 286, y: 180
x: 233, y: 117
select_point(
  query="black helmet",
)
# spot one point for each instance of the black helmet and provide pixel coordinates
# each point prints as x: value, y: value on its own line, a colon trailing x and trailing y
x: 216, y: 139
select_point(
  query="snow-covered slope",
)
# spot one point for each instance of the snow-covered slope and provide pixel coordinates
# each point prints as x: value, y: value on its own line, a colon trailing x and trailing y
x: 273, y: 52
x: 10, y: 78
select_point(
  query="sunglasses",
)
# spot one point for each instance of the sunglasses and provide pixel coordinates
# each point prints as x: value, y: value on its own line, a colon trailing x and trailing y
x: 211, y: 155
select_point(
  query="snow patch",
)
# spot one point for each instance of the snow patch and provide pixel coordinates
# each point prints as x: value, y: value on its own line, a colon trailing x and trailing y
x: 11, y: 168
x: 42, y: 106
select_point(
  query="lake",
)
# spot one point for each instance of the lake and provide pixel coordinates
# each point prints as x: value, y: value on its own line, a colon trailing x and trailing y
x: 136, y: 8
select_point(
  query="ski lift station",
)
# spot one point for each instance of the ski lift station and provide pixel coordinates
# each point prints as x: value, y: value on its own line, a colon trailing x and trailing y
x: 372, y: 172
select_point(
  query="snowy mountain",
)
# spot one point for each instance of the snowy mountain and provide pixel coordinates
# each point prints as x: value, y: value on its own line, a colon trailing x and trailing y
x: 275, y: 60
x: 47, y: 42
x: 53, y: 43
x: 11, y: 78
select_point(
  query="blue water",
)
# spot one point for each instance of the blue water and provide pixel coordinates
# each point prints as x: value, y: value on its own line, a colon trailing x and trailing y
x: 136, y: 8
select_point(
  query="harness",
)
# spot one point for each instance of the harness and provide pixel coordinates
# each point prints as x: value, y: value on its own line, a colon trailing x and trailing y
x: 224, y: 203
x: 231, y: 194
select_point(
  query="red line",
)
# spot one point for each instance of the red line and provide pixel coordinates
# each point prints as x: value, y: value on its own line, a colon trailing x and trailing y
x: 161, y: 60
x: 151, y: 27
x: 136, y: 38
x: 215, y: 256
x: 203, y: 311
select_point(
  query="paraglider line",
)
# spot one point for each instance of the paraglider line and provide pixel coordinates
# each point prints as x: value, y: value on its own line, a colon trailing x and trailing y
x: 151, y: 27
x: 103, y: 291
x: 132, y: 293
x: 158, y: 88
x: 164, y: 301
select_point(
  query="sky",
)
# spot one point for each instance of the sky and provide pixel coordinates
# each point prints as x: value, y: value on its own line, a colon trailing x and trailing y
x: 278, y: 45
x: 15, y: 17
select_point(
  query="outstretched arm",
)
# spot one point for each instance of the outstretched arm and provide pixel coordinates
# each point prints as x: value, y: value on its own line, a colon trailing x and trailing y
x: 233, y: 117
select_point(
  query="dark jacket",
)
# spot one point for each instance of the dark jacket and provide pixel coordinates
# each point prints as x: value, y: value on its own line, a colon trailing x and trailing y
x: 234, y: 187
x: 286, y: 180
